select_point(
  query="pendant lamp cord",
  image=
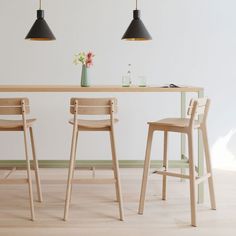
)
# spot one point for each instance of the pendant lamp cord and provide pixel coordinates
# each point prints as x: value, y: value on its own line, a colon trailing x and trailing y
x: 136, y: 4
x: 40, y: 4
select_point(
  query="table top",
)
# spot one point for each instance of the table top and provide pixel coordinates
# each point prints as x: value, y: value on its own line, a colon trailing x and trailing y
x: 95, y: 88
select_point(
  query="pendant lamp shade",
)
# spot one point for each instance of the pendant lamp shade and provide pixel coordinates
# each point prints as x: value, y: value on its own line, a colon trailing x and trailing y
x: 136, y: 30
x: 40, y: 30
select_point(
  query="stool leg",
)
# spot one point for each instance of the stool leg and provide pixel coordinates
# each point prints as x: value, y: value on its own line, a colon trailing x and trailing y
x: 165, y: 165
x: 145, y: 170
x: 192, y: 179
x: 116, y: 174
x: 36, y: 168
x: 209, y: 168
x: 29, y: 176
x: 76, y: 144
x: 113, y: 167
x: 70, y: 173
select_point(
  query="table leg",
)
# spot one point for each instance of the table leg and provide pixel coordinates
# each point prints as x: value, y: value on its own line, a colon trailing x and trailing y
x: 200, y: 158
x: 183, y: 136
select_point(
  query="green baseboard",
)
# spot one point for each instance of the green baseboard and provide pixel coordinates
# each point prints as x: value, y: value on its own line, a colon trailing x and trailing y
x: 92, y: 163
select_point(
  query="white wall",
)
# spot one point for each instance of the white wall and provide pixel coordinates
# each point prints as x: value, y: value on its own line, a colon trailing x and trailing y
x: 193, y: 44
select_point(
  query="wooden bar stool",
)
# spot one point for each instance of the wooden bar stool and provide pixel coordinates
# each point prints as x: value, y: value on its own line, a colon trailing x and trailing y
x: 182, y: 125
x: 20, y: 106
x: 90, y: 106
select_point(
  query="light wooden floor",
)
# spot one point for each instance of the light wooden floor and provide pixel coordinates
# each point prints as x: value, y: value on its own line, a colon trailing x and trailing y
x: 94, y: 212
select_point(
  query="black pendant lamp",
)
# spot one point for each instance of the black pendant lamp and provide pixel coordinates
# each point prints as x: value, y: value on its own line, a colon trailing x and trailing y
x: 40, y: 30
x: 136, y: 30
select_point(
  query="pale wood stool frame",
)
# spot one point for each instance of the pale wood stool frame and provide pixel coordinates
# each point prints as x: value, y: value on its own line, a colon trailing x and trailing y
x: 20, y: 106
x: 93, y: 106
x: 183, y: 126
x: 74, y: 88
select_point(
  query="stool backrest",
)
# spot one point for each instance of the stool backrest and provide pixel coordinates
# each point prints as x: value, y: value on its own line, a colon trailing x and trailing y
x: 14, y: 106
x: 198, y: 109
x: 93, y: 106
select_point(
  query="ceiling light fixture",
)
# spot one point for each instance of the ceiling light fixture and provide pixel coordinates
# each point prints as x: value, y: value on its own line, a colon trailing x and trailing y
x: 40, y: 30
x: 136, y: 30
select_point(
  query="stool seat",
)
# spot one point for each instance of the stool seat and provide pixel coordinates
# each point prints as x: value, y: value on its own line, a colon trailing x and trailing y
x: 174, y: 122
x: 93, y: 124
x: 8, y: 124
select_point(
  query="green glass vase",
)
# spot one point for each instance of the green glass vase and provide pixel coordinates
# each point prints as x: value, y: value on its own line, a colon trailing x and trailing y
x: 84, y: 77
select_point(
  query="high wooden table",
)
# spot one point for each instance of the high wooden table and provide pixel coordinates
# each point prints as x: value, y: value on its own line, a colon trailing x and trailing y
x: 119, y: 89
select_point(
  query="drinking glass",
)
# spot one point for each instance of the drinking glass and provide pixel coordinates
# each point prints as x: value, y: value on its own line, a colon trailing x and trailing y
x: 142, y: 81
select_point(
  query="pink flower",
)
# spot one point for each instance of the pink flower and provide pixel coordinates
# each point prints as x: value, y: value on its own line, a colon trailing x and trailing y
x: 90, y: 55
x: 89, y: 59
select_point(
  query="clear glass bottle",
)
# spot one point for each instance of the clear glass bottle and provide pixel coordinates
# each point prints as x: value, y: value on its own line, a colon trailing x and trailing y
x: 127, y: 78
x: 129, y: 74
